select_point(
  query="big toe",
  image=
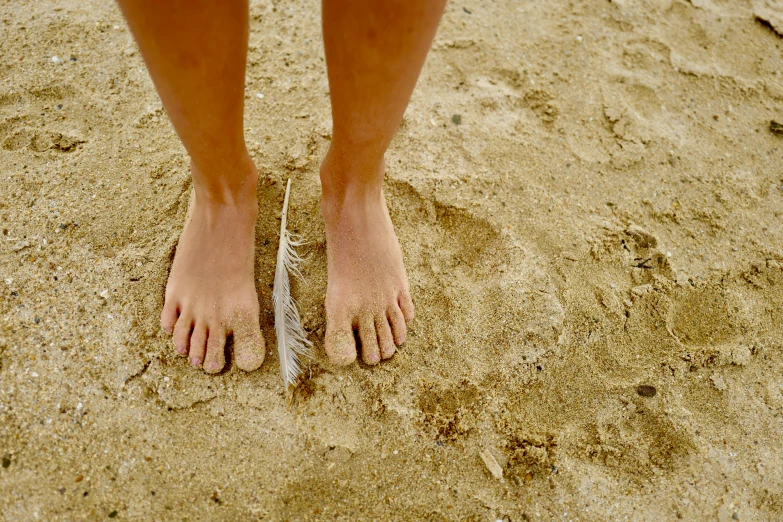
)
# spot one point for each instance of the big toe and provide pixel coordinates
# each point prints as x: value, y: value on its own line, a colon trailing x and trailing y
x: 340, y: 342
x: 406, y: 305
x: 168, y: 316
x: 249, y: 346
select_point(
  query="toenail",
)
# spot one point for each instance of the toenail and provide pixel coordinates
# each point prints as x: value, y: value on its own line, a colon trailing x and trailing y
x: 181, y: 351
x: 195, y: 361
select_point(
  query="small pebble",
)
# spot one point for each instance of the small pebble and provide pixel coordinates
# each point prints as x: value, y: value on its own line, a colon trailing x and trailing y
x: 457, y: 119
x: 261, y: 96
x: 55, y: 59
x: 73, y: 58
x: 718, y: 382
x: 113, y: 514
x: 104, y: 294
x: 645, y: 390
x: 492, y: 464
x: 6, y: 461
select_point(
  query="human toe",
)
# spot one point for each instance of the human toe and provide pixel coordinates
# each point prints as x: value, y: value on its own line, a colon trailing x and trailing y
x: 249, y: 346
x: 168, y: 317
x: 371, y: 353
x: 397, y: 323
x: 385, y: 337
x: 215, y: 359
x: 339, y: 341
x: 406, y: 305
x: 181, y: 336
x: 198, y: 344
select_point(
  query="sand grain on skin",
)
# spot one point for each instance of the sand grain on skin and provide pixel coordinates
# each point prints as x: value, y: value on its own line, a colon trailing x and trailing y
x: 604, y: 215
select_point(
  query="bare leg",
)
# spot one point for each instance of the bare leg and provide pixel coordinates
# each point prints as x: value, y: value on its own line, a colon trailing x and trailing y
x: 195, y: 51
x: 374, y: 52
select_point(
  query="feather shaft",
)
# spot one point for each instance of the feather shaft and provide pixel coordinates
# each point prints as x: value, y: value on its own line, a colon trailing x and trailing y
x: 292, y: 342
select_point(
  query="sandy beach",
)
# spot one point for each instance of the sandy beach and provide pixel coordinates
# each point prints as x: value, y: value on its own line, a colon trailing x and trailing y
x: 589, y: 197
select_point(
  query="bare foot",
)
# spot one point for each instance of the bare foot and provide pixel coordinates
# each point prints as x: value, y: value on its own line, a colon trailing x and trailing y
x: 210, y: 293
x: 367, y: 286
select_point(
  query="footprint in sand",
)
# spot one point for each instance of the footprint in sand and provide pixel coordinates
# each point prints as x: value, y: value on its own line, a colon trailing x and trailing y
x: 712, y: 322
x: 490, y: 304
x: 640, y: 447
x: 493, y: 314
x: 18, y: 132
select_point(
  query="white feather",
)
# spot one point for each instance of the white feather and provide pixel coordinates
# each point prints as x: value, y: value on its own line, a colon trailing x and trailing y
x: 292, y: 342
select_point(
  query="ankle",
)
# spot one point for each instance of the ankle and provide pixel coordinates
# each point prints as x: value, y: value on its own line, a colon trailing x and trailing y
x: 232, y: 183
x: 346, y: 176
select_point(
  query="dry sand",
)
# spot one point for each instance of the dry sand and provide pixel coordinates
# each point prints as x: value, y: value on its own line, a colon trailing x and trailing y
x: 590, y: 201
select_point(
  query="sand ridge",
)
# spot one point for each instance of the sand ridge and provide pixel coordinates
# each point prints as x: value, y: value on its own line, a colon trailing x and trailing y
x: 590, y: 205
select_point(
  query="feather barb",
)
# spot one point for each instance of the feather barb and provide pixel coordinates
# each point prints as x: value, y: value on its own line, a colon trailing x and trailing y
x: 292, y: 342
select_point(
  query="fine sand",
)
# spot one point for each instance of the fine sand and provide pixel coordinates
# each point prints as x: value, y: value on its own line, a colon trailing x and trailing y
x: 589, y: 197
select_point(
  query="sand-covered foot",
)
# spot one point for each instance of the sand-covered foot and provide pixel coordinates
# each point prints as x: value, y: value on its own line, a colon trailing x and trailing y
x: 210, y: 293
x: 367, y: 286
